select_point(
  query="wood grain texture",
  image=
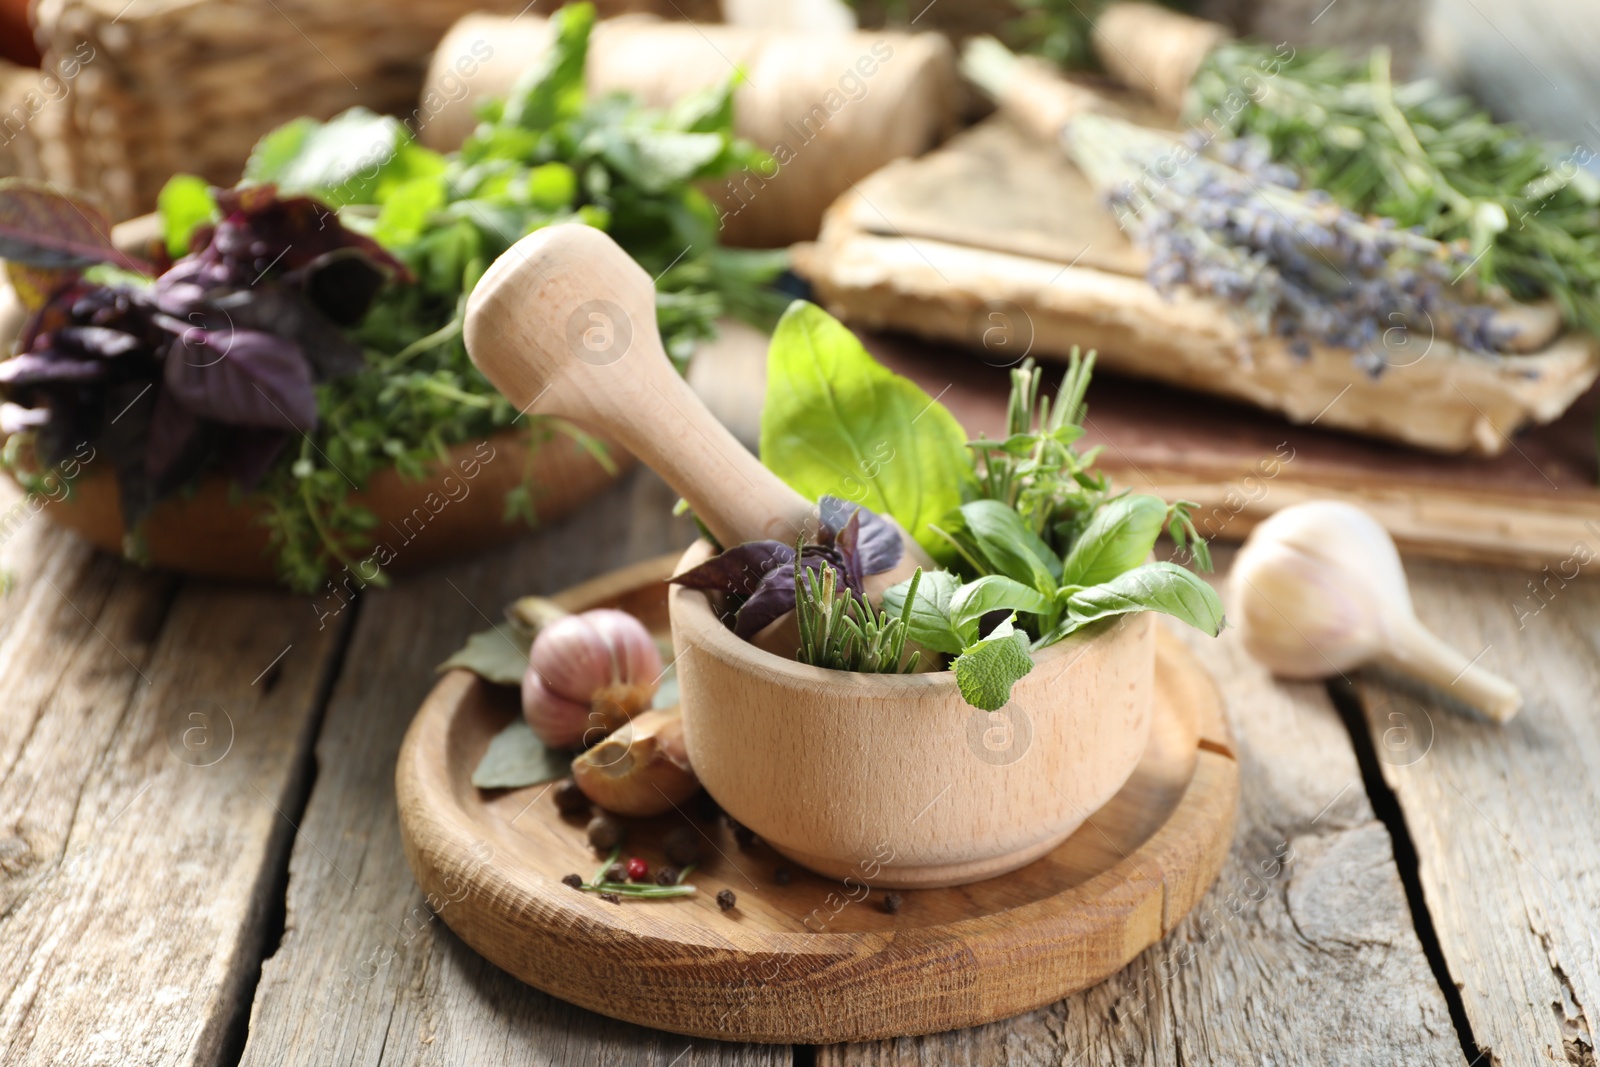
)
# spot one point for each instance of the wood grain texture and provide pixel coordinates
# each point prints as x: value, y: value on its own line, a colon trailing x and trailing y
x: 811, y: 959
x: 828, y: 766
x: 152, y: 734
x: 365, y: 973
x: 1503, y: 818
x: 1303, y: 953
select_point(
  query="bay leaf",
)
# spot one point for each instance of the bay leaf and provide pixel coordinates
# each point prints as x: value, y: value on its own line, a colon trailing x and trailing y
x: 517, y: 758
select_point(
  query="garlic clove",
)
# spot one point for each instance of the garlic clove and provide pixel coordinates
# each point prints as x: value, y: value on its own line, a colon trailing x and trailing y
x: 557, y: 721
x: 1319, y: 589
x: 581, y: 655
x: 642, y: 769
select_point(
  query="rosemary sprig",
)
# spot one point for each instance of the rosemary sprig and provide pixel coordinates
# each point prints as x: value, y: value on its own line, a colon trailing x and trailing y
x: 598, y: 883
x: 841, y: 632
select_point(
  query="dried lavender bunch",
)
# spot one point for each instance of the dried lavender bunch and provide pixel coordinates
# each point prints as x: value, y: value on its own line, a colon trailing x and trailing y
x: 1236, y: 226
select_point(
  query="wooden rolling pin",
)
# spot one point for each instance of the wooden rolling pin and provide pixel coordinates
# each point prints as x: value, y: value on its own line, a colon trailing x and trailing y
x: 830, y: 107
x: 565, y: 324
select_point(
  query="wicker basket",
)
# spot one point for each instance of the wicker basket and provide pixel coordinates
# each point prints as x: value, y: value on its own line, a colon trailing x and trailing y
x: 190, y: 85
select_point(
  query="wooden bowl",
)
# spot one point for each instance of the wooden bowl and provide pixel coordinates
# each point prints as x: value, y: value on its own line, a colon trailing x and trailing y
x: 450, y: 512
x: 838, y: 771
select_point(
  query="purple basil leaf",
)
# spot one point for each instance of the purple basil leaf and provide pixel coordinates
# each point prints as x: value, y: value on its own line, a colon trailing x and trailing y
x: 739, y: 570
x: 174, y: 430
x: 253, y: 453
x: 124, y: 441
x: 35, y: 368
x: 772, y: 600
x: 243, y: 378
x: 100, y: 342
x: 278, y: 308
x: 341, y: 284
x: 845, y: 545
x: 879, y: 547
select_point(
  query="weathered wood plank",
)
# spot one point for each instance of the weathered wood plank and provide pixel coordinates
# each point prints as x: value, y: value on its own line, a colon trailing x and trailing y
x: 146, y: 752
x: 1304, y: 951
x: 366, y: 974
x: 1503, y: 819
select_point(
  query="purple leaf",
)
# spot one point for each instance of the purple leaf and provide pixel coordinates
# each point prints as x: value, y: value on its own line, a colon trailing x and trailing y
x: 254, y: 452
x: 14, y: 418
x: 738, y: 571
x: 242, y: 378
x: 34, y: 368
x: 100, y: 342
x: 845, y: 546
x: 40, y: 227
x: 879, y: 546
x: 172, y: 429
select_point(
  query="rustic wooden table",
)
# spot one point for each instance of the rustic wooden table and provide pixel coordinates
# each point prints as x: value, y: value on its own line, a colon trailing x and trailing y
x: 200, y: 863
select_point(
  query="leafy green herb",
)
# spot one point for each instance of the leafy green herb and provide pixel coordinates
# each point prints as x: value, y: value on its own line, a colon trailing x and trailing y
x: 988, y: 668
x: 184, y: 204
x: 836, y: 422
x: 517, y: 758
x: 1161, y: 586
x: 840, y: 631
x: 545, y: 155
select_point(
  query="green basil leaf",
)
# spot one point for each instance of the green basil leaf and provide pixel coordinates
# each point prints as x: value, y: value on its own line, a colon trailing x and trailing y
x: 837, y: 422
x: 516, y: 758
x: 994, y: 592
x: 499, y: 655
x: 1118, y: 539
x: 184, y: 203
x: 930, y: 624
x: 341, y: 160
x: 1010, y: 546
x: 986, y: 671
x: 551, y: 90
x: 1163, y: 587
x: 407, y: 210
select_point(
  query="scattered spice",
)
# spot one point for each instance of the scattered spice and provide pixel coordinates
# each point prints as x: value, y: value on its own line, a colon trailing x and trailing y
x: 616, y: 873
x: 638, y: 869
x: 682, y: 846
x: 782, y: 876
x: 892, y: 902
x: 605, y: 833
x: 572, y: 881
x: 569, y: 798
x: 611, y: 898
x: 667, y: 876
x: 726, y: 900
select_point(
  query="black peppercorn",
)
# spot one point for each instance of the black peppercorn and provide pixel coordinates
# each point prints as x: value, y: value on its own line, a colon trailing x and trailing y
x: 726, y: 900
x: 569, y: 798
x: 616, y: 873
x: 573, y: 881
x: 682, y: 846
x: 667, y: 876
x: 782, y: 876
x: 610, y: 898
x: 605, y: 833
x: 892, y: 902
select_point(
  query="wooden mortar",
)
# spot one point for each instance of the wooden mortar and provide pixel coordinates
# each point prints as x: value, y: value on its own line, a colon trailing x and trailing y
x: 895, y: 780
x: 892, y: 778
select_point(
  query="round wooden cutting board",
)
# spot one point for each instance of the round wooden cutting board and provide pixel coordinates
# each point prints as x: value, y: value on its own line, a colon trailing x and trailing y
x: 801, y: 958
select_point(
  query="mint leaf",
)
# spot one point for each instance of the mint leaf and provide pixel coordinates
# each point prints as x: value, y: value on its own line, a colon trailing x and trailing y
x: 341, y: 161
x: 930, y: 624
x: 837, y: 422
x: 1163, y: 587
x: 516, y: 758
x: 184, y: 203
x: 1117, y: 539
x: 499, y: 655
x: 1009, y: 546
x: 994, y: 592
x: 551, y: 91
x: 986, y: 671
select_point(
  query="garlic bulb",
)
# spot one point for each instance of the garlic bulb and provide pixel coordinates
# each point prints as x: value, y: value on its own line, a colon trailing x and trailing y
x: 1318, y: 589
x: 642, y: 769
x: 587, y: 675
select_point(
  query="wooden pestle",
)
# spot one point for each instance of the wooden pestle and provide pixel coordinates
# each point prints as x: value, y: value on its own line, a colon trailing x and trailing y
x: 564, y: 323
